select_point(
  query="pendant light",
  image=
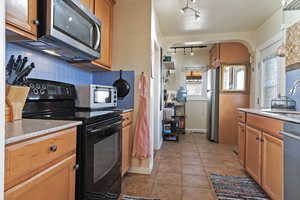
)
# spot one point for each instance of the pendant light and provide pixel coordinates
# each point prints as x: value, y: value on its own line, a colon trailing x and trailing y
x: 192, y: 8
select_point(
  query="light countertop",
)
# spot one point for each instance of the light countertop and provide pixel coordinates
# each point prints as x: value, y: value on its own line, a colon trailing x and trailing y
x: 264, y: 112
x: 28, y: 128
x: 127, y: 110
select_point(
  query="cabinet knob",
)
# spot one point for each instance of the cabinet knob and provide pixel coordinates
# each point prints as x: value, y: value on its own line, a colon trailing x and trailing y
x: 53, y: 148
x: 76, y: 167
x: 37, y: 22
x: 262, y: 140
x: 257, y: 138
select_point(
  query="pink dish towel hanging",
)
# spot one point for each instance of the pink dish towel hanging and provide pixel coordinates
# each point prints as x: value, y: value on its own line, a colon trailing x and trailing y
x: 141, y: 141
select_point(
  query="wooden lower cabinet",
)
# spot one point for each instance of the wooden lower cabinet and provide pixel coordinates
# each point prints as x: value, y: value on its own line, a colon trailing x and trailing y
x: 57, y: 182
x: 125, y: 149
x: 242, y: 142
x: 272, y: 166
x: 126, y: 144
x: 253, y: 153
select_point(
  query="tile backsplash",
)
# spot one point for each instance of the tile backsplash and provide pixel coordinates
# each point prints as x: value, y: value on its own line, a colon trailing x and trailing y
x: 49, y: 67
x: 292, y: 76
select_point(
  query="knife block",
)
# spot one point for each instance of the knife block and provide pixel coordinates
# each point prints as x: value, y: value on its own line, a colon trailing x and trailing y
x: 15, y: 101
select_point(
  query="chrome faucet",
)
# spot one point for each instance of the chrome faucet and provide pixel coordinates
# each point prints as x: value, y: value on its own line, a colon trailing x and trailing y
x: 292, y: 91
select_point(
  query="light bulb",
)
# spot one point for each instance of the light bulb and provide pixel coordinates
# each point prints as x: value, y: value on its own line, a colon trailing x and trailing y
x: 194, y: 1
x: 197, y: 17
x: 192, y: 53
x: 183, y: 10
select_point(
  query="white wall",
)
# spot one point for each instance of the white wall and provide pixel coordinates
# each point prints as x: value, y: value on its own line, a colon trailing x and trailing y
x: 131, y: 50
x: 2, y: 95
x: 156, y: 78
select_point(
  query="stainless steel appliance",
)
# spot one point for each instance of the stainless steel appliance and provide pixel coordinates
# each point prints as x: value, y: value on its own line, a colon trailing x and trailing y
x: 96, y: 96
x: 98, y: 138
x: 68, y: 30
x: 213, y: 104
x: 291, y: 141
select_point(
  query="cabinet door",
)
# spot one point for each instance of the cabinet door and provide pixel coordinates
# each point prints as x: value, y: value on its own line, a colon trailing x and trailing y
x: 21, y: 16
x: 89, y: 4
x: 125, y: 149
x: 253, y: 153
x: 104, y: 11
x: 272, y: 166
x: 241, y: 142
x: 56, y: 182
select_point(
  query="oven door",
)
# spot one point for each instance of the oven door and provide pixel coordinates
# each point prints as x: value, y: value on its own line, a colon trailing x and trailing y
x: 103, y: 161
x: 75, y: 25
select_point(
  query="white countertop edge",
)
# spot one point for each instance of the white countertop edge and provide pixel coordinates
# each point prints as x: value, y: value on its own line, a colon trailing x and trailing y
x: 127, y: 110
x: 41, y: 132
x: 271, y: 115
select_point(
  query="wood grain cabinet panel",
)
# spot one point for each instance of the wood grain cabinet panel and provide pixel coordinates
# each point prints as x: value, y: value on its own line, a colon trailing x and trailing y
x: 88, y: 3
x: 272, y: 166
x: 25, y: 158
x: 126, y: 141
x: 253, y: 153
x: 242, y: 142
x: 104, y: 12
x: 126, y: 149
x: 55, y: 183
x: 21, y: 16
x: 269, y: 125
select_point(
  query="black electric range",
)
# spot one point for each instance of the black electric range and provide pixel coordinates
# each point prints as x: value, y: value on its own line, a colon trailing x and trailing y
x: 98, y: 138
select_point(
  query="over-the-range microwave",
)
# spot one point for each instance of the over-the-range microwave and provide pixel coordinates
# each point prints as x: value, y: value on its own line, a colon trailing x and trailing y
x: 96, y: 96
x: 67, y: 29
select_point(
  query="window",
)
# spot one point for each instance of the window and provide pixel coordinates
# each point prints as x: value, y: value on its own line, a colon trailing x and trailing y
x: 195, y: 83
x: 270, y: 74
x: 270, y: 80
x: 233, y: 78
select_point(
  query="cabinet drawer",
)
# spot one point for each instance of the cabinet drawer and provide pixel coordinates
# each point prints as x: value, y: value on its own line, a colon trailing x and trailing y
x: 25, y: 159
x: 266, y: 124
x: 128, y: 118
x: 55, y: 183
x: 241, y: 116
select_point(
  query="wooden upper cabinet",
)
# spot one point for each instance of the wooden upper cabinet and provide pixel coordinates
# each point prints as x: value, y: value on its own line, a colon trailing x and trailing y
x: 253, y: 153
x: 57, y: 182
x: 21, y: 17
x: 234, y: 53
x: 272, y: 166
x: 242, y: 142
x: 89, y: 4
x: 104, y: 11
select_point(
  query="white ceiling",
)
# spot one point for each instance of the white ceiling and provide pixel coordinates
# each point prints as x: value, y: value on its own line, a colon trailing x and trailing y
x: 217, y: 16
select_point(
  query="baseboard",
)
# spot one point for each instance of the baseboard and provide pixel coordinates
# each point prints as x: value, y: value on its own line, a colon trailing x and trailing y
x: 140, y: 170
x: 188, y: 130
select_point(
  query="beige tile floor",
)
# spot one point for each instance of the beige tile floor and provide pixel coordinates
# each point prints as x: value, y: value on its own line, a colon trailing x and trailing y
x: 181, y: 170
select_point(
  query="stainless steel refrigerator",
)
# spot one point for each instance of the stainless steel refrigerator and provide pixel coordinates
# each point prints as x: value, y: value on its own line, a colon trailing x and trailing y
x: 213, y: 78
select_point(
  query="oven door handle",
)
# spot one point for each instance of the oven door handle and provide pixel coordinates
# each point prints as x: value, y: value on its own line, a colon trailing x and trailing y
x: 106, y: 127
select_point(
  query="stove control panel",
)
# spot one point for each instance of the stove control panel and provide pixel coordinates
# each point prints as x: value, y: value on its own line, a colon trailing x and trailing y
x: 45, y: 89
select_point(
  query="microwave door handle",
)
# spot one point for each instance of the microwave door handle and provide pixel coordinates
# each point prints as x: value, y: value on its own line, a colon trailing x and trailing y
x: 97, y: 44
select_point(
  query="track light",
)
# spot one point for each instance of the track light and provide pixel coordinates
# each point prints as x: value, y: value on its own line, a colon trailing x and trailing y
x: 194, y: 8
x: 183, y: 10
x: 192, y: 53
x: 197, y: 16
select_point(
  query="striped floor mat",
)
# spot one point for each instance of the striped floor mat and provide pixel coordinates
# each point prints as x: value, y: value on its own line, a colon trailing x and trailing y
x: 236, y: 188
x: 125, y: 197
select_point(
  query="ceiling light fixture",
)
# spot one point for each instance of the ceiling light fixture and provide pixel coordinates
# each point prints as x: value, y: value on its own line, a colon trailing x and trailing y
x: 192, y: 8
x: 192, y: 53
